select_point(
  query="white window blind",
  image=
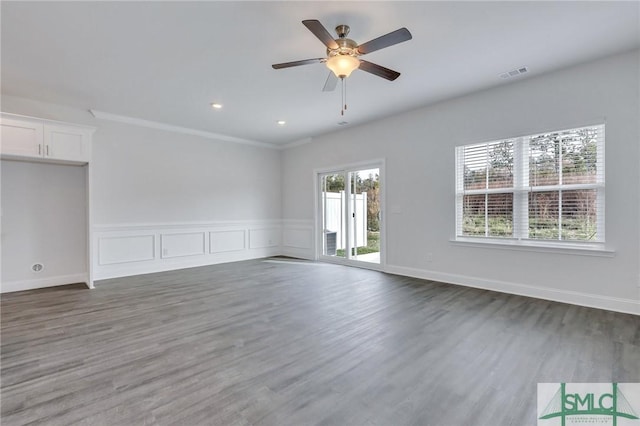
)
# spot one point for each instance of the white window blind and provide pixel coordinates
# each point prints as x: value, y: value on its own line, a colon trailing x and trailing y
x: 545, y: 187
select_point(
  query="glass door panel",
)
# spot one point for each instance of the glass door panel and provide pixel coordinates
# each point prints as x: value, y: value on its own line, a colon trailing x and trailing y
x: 365, y: 215
x: 350, y: 213
x: 333, y: 205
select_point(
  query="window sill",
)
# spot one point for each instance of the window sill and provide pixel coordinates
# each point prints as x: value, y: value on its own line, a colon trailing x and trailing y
x: 594, y: 249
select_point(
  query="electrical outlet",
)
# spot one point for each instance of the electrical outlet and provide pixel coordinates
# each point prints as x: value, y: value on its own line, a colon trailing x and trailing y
x: 165, y: 252
x: 429, y: 257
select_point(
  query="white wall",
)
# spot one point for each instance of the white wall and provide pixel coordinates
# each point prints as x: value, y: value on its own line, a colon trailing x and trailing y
x: 419, y: 150
x: 43, y: 221
x: 144, y: 175
x: 153, y: 183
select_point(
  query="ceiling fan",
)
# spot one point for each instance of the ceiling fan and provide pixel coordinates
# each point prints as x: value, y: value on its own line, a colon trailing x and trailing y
x: 342, y: 53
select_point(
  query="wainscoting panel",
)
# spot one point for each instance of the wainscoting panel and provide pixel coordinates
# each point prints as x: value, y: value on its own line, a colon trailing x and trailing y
x: 182, y: 244
x: 297, y: 239
x: 126, y: 248
x: 225, y: 241
x: 133, y: 249
x: 261, y: 238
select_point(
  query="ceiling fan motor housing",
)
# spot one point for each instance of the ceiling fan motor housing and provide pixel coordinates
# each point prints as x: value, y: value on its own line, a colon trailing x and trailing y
x: 346, y: 46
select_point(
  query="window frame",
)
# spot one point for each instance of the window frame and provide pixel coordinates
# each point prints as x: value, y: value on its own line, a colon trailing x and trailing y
x: 521, y: 189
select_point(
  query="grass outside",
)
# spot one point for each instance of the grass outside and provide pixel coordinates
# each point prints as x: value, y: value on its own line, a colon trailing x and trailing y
x: 373, y: 245
x: 573, y: 229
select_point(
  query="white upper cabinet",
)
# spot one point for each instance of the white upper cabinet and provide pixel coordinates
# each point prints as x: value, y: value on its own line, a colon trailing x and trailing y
x: 43, y: 140
x: 22, y: 138
x: 66, y: 143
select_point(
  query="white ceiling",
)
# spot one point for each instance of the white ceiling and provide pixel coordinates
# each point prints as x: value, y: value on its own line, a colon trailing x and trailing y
x: 167, y: 61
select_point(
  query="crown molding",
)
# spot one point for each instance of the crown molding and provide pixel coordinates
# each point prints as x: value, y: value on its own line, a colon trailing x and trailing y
x: 45, y: 120
x: 101, y: 115
x: 296, y: 143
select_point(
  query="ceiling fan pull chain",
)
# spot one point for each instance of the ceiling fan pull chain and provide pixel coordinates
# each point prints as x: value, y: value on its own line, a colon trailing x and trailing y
x: 345, y: 94
x: 342, y: 96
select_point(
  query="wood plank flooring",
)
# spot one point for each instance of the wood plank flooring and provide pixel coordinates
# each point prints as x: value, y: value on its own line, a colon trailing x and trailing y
x: 296, y: 343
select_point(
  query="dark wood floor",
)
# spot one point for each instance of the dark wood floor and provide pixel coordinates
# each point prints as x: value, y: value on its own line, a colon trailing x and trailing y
x: 286, y: 343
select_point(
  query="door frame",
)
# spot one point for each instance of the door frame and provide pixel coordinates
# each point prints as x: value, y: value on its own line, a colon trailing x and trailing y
x: 318, y: 225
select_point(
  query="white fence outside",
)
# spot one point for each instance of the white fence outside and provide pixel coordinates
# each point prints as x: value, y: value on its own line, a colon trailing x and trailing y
x: 335, y: 212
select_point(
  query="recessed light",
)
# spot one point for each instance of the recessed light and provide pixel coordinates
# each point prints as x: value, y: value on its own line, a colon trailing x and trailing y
x: 281, y: 122
x: 216, y: 106
x: 342, y: 123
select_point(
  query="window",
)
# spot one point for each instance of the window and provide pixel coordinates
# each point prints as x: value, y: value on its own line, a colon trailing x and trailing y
x: 547, y: 188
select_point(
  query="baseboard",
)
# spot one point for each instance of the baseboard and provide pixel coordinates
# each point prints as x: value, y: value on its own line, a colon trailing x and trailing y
x: 628, y: 306
x: 298, y: 253
x: 21, y: 285
x: 140, y: 268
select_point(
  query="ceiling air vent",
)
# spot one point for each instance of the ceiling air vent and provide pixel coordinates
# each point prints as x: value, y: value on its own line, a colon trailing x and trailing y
x: 514, y: 73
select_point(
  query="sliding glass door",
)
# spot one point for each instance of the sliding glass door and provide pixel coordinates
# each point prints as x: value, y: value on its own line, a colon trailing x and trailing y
x: 350, y: 213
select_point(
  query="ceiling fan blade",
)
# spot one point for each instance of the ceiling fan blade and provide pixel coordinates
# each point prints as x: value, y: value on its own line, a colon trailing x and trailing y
x: 298, y: 63
x: 394, y: 37
x: 330, y: 84
x: 378, y: 70
x: 321, y: 32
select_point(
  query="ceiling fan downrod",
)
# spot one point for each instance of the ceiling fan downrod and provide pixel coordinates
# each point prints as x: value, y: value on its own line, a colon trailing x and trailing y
x: 342, y: 30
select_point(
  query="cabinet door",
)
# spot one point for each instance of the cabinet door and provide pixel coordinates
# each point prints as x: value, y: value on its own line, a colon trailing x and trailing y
x: 21, y: 138
x: 66, y: 143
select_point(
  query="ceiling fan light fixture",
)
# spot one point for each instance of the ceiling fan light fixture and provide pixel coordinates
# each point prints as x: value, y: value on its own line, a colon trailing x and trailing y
x: 343, y: 65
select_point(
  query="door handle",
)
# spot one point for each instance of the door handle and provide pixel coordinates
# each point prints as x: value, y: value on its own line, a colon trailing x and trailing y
x: 39, y: 149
